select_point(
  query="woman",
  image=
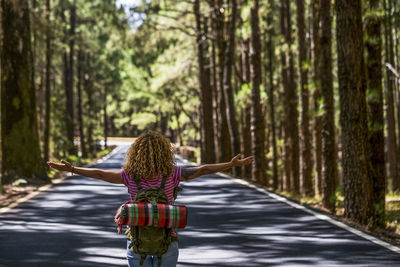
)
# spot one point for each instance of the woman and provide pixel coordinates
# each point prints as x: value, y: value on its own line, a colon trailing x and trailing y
x: 149, y: 158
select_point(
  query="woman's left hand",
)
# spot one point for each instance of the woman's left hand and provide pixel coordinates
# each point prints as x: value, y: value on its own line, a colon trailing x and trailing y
x: 238, y: 160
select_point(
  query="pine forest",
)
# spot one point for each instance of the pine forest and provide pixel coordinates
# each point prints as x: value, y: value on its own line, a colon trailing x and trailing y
x: 309, y: 87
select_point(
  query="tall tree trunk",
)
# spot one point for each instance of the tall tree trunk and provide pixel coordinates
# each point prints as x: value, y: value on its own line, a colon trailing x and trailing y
x: 70, y: 95
x: 69, y: 120
x: 281, y: 152
x: 293, y: 102
x: 40, y: 102
x: 207, y: 99
x: 38, y: 90
x: 80, y: 115
x: 177, y: 114
x: 215, y: 109
x: 228, y: 90
x: 396, y: 45
x: 307, y: 188
x: 329, y: 179
x: 270, y: 47
x: 88, y: 87
x: 257, y: 117
x: 287, y: 185
x: 205, y: 86
x: 246, y: 129
x: 105, y: 119
x: 392, y: 142
x: 353, y: 111
x: 375, y: 104
x: 315, y: 58
x: 396, y: 80
x: 19, y: 132
x: 201, y: 139
x: 48, y: 85
x: 224, y: 141
x: 290, y: 101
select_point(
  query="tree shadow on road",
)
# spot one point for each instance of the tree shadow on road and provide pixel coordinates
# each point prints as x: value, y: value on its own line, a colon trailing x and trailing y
x: 72, y: 224
x: 228, y: 225
x: 232, y: 225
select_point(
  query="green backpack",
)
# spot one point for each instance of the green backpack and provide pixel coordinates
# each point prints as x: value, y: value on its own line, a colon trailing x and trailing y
x: 151, y: 240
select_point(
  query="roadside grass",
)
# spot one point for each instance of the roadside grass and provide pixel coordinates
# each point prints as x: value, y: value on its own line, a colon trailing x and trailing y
x: 393, y: 212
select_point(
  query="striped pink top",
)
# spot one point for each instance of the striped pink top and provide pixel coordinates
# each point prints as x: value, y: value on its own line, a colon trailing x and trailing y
x: 171, y: 182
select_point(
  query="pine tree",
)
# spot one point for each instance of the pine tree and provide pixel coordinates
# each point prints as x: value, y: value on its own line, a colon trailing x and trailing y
x: 353, y: 112
x: 21, y: 156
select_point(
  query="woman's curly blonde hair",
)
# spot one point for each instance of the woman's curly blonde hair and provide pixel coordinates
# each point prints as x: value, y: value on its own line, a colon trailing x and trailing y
x: 151, y: 155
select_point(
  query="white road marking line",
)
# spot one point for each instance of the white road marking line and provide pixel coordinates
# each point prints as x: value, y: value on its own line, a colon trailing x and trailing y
x: 318, y: 215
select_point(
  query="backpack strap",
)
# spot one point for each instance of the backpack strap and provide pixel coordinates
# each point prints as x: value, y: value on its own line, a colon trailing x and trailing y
x: 164, y: 179
x: 137, y: 182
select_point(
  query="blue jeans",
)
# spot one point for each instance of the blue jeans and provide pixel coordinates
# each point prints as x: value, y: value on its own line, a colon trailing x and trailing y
x: 169, y: 259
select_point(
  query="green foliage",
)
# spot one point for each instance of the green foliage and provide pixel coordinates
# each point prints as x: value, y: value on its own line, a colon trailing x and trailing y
x: 143, y: 120
x: 246, y: 27
x: 243, y: 97
x: 339, y: 197
x: 305, y: 65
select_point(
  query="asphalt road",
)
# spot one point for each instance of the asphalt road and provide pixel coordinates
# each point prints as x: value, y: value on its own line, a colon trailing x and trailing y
x: 229, y: 224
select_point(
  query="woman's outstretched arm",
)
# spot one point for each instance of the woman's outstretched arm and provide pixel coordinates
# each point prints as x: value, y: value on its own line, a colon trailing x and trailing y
x: 189, y: 173
x: 105, y: 175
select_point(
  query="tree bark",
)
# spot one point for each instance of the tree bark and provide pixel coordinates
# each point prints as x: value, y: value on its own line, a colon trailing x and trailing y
x: 228, y: 90
x: 307, y: 188
x: 177, y: 114
x: 80, y: 115
x: 70, y: 94
x: 216, y: 116
x: 287, y: 185
x: 21, y: 155
x: 68, y: 86
x: 329, y: 179
x: 38, y: 91
x: 315, y: 58
x: 246, y: 129
x: 257, y: 117
x: 395, y: 59
x: 392, y: 142
x: 224, y: 141
x: 377, y: 170
x: 271, y: 101
x: 105, y: 119
x: 293, y: 102
x: 205, y: 86
x: 88, y: 88
x: 353, y: 111
x: 47, y: 124
x: 290, y: 101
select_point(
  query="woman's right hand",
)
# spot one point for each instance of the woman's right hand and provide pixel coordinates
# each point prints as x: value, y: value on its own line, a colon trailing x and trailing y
x: 64, y: 166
